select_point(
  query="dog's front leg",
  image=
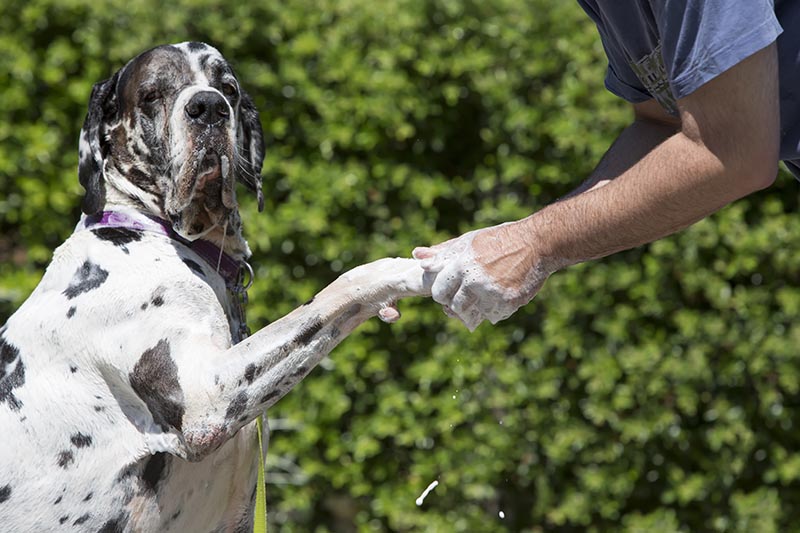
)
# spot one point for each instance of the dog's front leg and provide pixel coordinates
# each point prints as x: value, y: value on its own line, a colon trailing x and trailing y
x: 257, y: 372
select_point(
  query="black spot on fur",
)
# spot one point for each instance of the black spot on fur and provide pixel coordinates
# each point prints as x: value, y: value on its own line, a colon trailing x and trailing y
x: 143, y: 180
x: 116, y: 525
x: 203, y: 60
x: 157, y: 298
x: 252, y: 371
x: 118, y: 236
x: 352, y: 311
x: 87, y: 277
x: 309, y: 302
x: 99, y: 408
x: 155, y: 380
x: 244, y: 525
x: 194, y: 267
x: 80, y: 520
x: 10, y: 380
x: 88, y: 497
x: 126, y: 473
x: 5, y: 493
x: 237, y: 406
x: 65, y: 458
x: 71, y: 312
x: 63, y: 519
x: 8, y: 354
x: 153, y: 470
x: 58, y: 500
x: 73, y: 368
x: 308, y: 332
x: 268, y: 397
x: 196, y: 46
x: 301, y: 370
x: 79, y: 440
x: 144, y: 306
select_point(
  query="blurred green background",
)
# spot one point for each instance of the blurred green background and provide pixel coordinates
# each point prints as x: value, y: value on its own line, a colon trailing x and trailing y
x: 656, y: 390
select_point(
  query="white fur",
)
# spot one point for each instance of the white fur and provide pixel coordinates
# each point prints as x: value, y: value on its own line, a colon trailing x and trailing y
x: 124, y: 405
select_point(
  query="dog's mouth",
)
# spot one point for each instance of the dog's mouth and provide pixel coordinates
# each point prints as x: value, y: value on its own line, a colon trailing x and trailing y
x: 204, y: 192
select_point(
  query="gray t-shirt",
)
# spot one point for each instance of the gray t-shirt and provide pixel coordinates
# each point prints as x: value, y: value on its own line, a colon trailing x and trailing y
x: 666, y: 49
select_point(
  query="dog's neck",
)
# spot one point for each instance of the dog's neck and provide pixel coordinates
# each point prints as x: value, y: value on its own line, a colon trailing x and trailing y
x: 233, y: 271
x: 232, y: 243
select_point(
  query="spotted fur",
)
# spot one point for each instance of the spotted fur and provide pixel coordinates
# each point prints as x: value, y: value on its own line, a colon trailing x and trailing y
x: 124, y: 404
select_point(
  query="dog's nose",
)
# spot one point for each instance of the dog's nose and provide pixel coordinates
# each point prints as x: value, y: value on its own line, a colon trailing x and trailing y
x: 207, y: 108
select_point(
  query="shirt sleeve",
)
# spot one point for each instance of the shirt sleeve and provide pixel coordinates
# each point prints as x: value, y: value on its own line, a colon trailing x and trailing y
x: 701, y: 39
x: 620, y: 79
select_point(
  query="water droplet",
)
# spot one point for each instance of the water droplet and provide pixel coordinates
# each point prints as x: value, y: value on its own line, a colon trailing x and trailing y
x: 425, y: 493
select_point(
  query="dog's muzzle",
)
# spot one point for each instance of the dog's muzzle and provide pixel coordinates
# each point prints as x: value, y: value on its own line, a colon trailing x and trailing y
x: 207, y: 108
x: 204, y: 182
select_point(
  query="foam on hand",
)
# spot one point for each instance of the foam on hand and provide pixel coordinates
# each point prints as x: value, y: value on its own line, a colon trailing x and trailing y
x: 462, y: 286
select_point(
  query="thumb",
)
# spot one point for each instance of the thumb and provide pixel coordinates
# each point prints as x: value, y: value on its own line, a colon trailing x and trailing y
x: 423, y: 252
x: 428, y: 259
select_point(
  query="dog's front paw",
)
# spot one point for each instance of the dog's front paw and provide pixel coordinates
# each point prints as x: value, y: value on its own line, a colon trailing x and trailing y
x: 380, y: 284
x: 388, y: 279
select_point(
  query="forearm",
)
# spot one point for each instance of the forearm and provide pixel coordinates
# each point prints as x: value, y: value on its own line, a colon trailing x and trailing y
x: 665, y: 173
x: 676, y: 183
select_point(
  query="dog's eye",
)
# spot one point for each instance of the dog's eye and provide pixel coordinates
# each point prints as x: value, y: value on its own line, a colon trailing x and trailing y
x: 228, y: 89
x: 151, y: 96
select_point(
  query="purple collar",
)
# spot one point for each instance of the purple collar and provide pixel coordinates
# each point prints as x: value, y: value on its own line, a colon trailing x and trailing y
x: 231, y: 270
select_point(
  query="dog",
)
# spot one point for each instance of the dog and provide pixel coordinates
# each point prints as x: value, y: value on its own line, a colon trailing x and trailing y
x: 128, y: 383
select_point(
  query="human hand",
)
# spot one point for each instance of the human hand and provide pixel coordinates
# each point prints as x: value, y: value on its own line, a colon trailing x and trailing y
x: 485, y: 274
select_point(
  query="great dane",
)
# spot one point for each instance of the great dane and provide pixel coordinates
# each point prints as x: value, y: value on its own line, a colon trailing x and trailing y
x: 128, y: 385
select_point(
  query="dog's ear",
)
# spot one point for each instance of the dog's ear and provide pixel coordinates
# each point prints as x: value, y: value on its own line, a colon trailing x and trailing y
x: 251, y: 147
x: 102, y: 104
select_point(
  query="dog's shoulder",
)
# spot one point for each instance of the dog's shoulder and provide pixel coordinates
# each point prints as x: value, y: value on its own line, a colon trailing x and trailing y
x: 109, y: 293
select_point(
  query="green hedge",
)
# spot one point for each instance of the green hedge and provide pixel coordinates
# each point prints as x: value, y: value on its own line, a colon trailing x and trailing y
x: 656, y: 390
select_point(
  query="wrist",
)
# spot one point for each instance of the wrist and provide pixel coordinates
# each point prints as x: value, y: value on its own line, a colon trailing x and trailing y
x: 542, y: 247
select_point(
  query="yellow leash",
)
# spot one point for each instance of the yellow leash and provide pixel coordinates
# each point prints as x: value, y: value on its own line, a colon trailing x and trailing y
x: 260, y: 515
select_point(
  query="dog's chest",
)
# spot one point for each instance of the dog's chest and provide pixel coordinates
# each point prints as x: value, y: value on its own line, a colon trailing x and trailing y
x: 78, y: 449
x: 170, y: 494
x: 90, y: 486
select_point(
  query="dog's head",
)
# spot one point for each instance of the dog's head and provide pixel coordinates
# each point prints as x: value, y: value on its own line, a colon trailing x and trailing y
x: 171, y: 132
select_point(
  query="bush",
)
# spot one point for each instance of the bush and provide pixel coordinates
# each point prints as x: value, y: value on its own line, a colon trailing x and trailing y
x: 655, y: 390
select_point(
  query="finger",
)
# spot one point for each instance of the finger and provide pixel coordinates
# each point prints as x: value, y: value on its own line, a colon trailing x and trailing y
x: 431, y: 262
x: 423, y: 252
x: 434, y: 258
x: 463, y: 300
x: 471, y: 318
x: 496, y: 315
x: 445, y: 286
x: 449, y: 312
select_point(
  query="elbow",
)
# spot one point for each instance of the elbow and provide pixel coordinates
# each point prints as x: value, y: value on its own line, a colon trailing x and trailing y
x: 758, y: 178
x: 756, y: 170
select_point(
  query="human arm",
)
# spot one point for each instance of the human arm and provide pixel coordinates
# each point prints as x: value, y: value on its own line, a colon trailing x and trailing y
x: 659, y: 177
